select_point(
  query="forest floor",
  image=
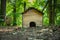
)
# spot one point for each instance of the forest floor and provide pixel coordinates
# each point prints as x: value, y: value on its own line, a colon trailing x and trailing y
x: 38, y: 33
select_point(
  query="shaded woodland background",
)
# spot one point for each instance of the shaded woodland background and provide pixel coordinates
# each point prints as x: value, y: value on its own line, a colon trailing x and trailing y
x: 11, y: 16
x: 11, y: 11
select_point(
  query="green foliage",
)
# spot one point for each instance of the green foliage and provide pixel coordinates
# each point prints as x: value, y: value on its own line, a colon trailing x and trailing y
x: 58, y: 12
x: 19, y: 10
x: 45, y: 17
x: 39, y: 4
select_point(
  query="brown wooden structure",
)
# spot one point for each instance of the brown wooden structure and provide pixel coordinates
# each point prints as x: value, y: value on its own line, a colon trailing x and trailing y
x: 32, y: 18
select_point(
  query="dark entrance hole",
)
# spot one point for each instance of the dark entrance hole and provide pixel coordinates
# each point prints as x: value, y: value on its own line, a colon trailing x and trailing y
x: 32, y: 24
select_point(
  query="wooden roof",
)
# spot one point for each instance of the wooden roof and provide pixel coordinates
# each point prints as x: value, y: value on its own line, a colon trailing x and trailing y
x: 31, y: 9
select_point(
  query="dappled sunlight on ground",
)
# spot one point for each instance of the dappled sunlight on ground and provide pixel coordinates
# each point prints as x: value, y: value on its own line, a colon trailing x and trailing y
x: 33, y: 33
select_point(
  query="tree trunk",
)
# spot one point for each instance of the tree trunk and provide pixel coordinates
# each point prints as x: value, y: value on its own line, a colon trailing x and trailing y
x: 51, y: 6
x: 0, y: 6
x: 14, y: 13
x: 3, y: 10
x: 50, y: 12
x: 53, y: 10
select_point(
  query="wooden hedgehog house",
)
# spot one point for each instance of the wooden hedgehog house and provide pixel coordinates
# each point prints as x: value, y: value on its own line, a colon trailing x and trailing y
x: 32, y: 18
